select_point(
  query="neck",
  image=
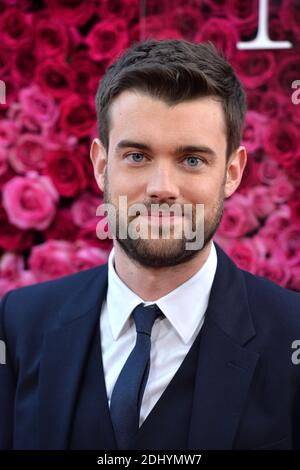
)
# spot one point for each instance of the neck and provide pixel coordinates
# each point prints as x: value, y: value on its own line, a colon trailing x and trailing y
x: 156, y: 282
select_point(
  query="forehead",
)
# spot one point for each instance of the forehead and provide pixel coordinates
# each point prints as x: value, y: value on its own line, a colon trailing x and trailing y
x: 136, y: 114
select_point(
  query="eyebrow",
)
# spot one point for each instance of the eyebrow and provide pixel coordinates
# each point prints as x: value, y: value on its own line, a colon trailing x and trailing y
x: 177, y: 151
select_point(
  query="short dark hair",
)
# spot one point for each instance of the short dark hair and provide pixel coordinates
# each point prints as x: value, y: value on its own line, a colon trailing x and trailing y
x: 174, y: 71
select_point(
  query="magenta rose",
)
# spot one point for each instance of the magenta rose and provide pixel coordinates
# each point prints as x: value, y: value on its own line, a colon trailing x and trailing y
x: 261, y: 201
x: 272, y: 104
x: 3, y: 161
x: 129, y: 9
x: 87, y: 256
x: 28, y: 153
x: 268, y: 171
x: 287, y: 73
x: 15, y: 29
x: 107, y: 39
x: 67, y: 171
x: 40, y: 106
x: 30, y: 201
x: 255, y: 68
x: 254, y: 131
x: 89, y: 235
x: 290, y: 16
x: 186, y: 20
x: 276, y: 223
x: 10, y: 265
x: 84, y: 209
x: 239, y: 218
x: 62, y: 227
x: 24, y: 66
x: 243, y: 15
x: 244, y: 253
x: 289, y: 244
x: 77, y: 116
x: 282, y: 189
x: 275, y: 271
x: 8, y: 132
x: 55, y: 77
x: 51, y: 260
x: 221, y: 32
x: 11, y: 238
x: 294, y: 282
x: 281, y: 142
x: 87, y: 74
x: 71, y: 12
x: 52, y: 38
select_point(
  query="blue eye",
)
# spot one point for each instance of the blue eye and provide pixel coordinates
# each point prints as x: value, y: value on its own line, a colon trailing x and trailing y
x: 136, y: 157
x: 193, y: 161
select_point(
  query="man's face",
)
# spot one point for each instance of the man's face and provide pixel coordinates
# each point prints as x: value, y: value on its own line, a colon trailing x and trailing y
x: 161, y: 154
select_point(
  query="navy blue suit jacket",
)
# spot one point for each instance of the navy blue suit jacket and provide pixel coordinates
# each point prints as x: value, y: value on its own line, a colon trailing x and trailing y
x: 246, y: 390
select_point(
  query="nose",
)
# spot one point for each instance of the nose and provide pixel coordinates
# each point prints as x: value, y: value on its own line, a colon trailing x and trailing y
x: 162, y: 184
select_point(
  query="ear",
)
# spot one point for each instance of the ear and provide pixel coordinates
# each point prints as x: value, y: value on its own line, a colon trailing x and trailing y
x: 234, y: 172
x: 99, y: 161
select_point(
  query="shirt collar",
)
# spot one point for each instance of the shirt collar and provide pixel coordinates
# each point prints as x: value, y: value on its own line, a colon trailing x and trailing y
x: 184, y: 307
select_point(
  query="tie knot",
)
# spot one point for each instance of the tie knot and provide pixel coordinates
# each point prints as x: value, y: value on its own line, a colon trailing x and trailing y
x: 145, y: 316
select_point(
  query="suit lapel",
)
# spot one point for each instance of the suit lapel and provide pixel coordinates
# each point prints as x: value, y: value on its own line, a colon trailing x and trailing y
x: 64, y: 354
x: 225, y: 367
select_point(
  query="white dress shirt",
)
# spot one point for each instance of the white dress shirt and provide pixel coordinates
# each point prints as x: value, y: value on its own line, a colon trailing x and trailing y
x: 171, y: 337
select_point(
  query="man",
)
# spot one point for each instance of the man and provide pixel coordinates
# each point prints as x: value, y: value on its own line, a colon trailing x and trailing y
x: 167, y: 346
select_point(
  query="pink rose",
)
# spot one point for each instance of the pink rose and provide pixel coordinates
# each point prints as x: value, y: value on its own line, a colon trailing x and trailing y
x: 275, y: 271
x: 28, y: 153
x: 268, y: 171
x: 10, y: 265
x: 282, y: 189
x: 87, y: 256
x: 83, y: 210
x: 8, y: 132
x: 254, y: 130
x: 107, y: 38
x: 294, y: 283
x: 276, y: 223
x: 289, y: 244
x: 3, y: 161
x: 30, y: 201
x: 244, y: 253
x: 261, y: 201
x: 239, y: 218
x: 37, y: 104
x: 51, y: 259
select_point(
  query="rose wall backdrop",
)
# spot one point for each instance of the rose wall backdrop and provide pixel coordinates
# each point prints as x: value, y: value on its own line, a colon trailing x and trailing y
x: 53, y: 54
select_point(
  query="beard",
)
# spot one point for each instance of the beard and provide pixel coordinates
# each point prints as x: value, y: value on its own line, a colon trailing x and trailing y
x: 161, y: 252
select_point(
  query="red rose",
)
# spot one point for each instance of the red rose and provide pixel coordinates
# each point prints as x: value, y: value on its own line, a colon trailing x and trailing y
x: 186, y: 20
x: 287, y: 73
x: 62, y: 228
x: 24, y: 66
x: 66, y: 169
x: 281, y: 142
x: 244, y: 15
x: 11, y: 238
x: 55, y: 77
x: 87, y: 74
x: 107, y: 39
x: 77, y: 116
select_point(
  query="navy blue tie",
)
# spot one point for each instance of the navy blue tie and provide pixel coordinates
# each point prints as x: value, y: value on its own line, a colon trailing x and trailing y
x: 128, y: 391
